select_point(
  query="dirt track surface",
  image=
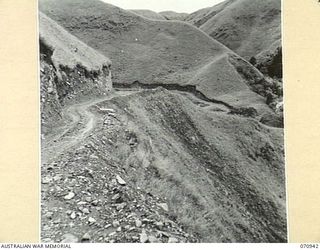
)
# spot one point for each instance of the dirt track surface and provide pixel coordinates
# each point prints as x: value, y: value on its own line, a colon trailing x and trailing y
x: 79, y: 122
x: 98, y: 194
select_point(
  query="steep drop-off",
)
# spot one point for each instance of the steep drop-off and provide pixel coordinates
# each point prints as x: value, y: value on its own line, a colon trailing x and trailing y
x: 224, y: 186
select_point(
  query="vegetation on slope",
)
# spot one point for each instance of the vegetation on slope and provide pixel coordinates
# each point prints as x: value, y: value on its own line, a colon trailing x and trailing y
x: 248, y: 27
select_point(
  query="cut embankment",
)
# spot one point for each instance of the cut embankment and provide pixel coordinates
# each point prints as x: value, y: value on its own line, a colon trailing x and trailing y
x: 69, y: 69
x: 196, y: 96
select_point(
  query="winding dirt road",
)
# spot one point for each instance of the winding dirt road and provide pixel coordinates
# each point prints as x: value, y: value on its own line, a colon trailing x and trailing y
x: 79, y: 122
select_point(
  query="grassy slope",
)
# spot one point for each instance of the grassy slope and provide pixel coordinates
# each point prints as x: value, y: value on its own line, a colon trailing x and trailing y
x: 201, y: 16
x: 67, y: 49
x: 148, y: 14
x: 224, y: 186
x: 154, y: 51
x: 248, y: 27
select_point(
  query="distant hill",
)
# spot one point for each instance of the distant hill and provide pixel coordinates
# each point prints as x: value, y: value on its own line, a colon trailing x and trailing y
x: 172, y: 15
x: 248, y: 27
x: 149, y: 14
x: 169, y: 52
x: 201, y: 16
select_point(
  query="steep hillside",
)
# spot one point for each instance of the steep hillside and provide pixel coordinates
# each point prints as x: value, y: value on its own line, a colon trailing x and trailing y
x: 201, y: 16
x: 179, y: 181
x: 162, y: 52
x: 172, y: 15
x: 149, y: 14
x: 68, y: 69
x: 248, y: 27
x: 216, y: 184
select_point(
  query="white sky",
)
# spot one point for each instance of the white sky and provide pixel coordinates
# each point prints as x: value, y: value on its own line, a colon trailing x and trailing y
x: 187, y: 6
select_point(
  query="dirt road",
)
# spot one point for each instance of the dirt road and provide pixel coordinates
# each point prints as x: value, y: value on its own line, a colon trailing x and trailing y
x: 78, y: 123
x: 60, y: 173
